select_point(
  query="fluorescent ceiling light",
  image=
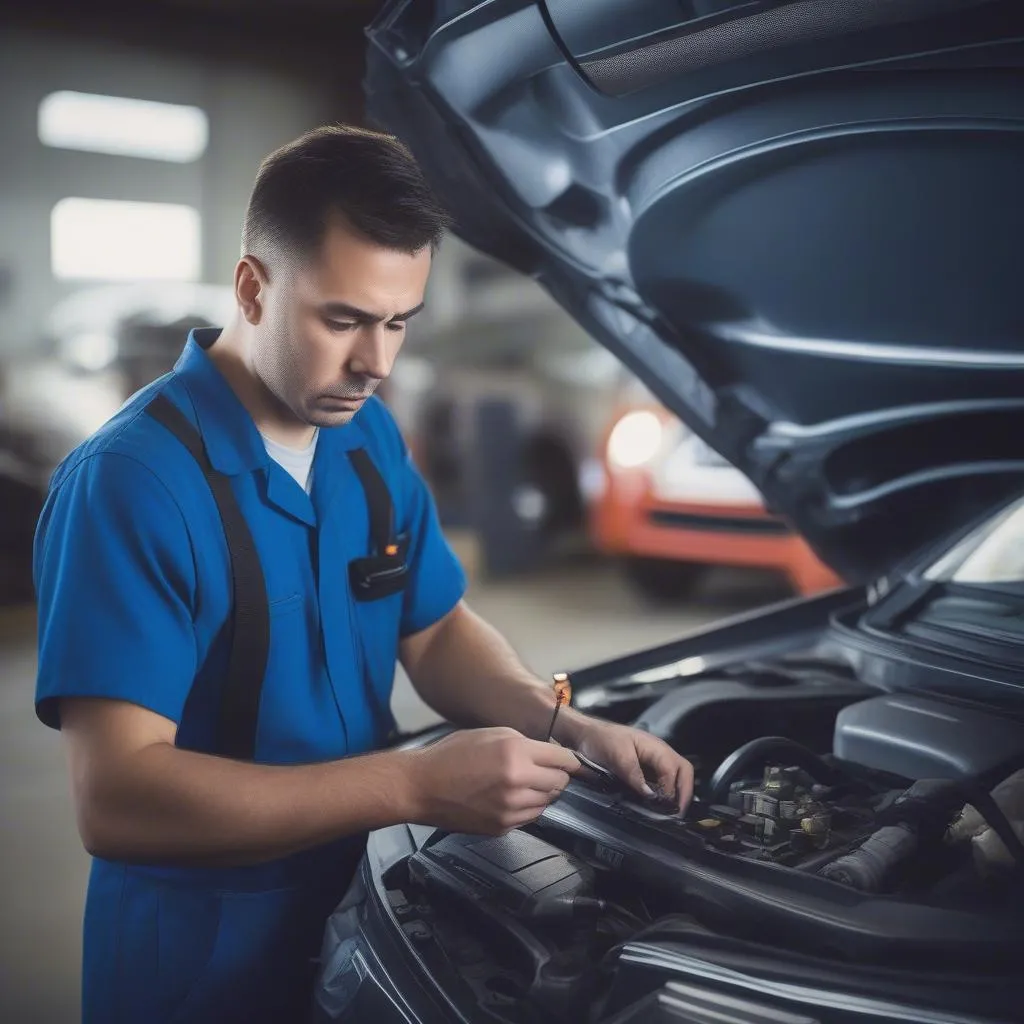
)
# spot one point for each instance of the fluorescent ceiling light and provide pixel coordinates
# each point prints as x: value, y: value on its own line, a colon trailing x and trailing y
x: 102, y: 239
x: 123, y: 127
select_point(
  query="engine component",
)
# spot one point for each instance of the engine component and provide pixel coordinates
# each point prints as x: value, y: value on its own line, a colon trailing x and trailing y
x: 868, y: 867
x: 783, y: 807
x: 920, y: 818
x: 931, y: 805
x: 518, y: 873
x: 991, y: 854
x: 925, y: 738
x: 754, y: 754
x: 916, y: 819
x: 515, y: 915
x: 785, y: 817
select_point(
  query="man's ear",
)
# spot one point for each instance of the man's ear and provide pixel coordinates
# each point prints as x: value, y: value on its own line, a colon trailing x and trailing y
x: 250, y: 288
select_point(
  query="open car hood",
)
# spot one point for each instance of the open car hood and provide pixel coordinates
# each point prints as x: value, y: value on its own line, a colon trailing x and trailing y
x: 800, y: 222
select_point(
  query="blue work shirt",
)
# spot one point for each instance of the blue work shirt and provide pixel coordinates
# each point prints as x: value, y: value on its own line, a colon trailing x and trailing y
x: 134, y: 595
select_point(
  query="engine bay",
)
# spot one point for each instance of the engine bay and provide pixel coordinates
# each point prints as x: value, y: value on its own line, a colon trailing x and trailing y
x: 785, y: 845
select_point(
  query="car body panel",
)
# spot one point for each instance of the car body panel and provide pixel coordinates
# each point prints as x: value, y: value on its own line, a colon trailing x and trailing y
x: 858, y: 360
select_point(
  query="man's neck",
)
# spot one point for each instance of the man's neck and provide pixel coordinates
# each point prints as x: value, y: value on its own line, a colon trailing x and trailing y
x: 271, y: 418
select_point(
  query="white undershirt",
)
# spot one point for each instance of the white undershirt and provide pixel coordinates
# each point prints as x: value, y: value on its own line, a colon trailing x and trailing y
x: 297, y: 462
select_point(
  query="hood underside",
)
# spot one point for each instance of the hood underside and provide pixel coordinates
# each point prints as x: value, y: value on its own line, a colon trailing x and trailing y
x: 798, y: 221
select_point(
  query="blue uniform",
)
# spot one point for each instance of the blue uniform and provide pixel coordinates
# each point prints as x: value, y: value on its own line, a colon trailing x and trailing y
x: 134, y: 589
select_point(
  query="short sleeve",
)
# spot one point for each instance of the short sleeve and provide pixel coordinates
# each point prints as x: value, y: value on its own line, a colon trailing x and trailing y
x: 436, y: 579
x: 115, y: 582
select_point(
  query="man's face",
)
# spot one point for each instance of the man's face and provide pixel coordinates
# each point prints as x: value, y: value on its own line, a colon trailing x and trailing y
x: 331, y: 327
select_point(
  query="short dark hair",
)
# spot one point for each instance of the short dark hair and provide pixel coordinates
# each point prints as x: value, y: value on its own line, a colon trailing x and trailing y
x: 368, y: 178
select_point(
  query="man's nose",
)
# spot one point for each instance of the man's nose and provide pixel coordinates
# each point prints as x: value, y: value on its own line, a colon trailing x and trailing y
x: 371, y: 354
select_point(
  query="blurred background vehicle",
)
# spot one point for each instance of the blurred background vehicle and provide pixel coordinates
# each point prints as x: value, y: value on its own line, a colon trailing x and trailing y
x: 97, y: 348
x: 671, y: 507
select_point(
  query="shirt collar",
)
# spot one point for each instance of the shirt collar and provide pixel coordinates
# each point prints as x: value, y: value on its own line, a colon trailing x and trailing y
x: 233, y: 444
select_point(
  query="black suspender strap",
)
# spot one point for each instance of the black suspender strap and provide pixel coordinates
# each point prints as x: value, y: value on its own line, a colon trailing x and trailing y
x: 250, y: 610
x: 384, y: 573
x: 382, y: 515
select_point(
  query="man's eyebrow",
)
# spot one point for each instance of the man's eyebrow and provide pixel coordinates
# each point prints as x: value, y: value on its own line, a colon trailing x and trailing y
x: 343, y: 309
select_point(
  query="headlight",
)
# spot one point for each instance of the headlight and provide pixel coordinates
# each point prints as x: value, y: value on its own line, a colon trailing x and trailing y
x: 635, y: 439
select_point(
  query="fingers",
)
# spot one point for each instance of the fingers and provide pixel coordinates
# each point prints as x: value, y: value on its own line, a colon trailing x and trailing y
x: 525, y: 807
x: 622, y: 757
x: 544, y: 780
x: 526, y: 800
x: 654, y: 761
x: 551, y: 755
x: 633, y: 774
x: 542, y: 767
x: 684, y: 784
x: 674, y: 774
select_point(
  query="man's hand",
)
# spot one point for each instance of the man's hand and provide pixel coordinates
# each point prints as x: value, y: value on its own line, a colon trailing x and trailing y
x: 488, y: 780
x: 467, y: 672
x: 638, y: 758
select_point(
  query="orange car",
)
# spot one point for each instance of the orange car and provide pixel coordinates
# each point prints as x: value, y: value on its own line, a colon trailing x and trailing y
x: 671, y: 506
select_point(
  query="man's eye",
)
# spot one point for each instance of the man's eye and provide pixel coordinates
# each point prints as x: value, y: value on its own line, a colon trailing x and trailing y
x: 339, y: 325
x: 396, y: 325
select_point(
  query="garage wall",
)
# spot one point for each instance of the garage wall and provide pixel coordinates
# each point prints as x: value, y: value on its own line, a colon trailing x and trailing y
x: 250, y: 113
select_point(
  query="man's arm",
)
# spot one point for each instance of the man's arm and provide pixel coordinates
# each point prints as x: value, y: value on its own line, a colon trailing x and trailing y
x: 141, y: 799
x: 468, y: 673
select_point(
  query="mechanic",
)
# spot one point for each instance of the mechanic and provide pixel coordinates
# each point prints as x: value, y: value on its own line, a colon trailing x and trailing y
x: 222, y: 839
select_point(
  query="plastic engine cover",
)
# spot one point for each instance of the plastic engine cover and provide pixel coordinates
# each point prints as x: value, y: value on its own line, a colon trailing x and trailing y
x: 920, y: 738
x: 517, y: 871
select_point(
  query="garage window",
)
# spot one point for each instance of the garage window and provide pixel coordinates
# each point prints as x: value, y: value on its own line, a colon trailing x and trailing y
x: 102, y: 239
x: 123, y: 126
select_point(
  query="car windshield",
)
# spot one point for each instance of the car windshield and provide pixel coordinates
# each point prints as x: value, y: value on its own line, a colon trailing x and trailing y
x: 992, y: 554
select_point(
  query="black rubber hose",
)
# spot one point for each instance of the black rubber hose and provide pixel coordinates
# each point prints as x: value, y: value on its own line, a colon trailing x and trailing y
x: 758, y: 752
x: 867, y: 867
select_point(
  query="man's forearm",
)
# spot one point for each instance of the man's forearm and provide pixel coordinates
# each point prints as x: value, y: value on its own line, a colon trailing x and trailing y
x: 170, y: 805
x: 469, y: 674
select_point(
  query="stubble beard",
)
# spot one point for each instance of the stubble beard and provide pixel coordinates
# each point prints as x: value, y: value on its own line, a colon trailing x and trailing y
x: 297, y: 397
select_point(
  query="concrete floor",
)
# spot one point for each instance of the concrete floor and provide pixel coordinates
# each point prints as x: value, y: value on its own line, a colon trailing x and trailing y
x: 569, y: 617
